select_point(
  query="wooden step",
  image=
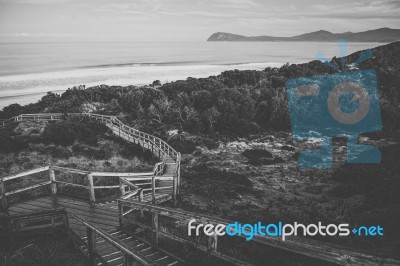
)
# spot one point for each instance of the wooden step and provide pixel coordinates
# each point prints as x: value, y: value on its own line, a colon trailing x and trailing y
x: 113, y: 256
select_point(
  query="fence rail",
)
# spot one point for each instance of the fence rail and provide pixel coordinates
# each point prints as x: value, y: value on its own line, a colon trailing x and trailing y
x: 127, y: 188
x: 152, y: 142
x: 158, y: 147
x: 315, y: 249
x: 59, y: 219
x: 33, y: 222
x: 130, y: 258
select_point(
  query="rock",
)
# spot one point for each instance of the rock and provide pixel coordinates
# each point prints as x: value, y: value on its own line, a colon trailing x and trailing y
x: 287, y: 148
x: 255, y: 154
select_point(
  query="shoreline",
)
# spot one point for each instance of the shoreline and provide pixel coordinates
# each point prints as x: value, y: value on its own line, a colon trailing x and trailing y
x: 31, y: 87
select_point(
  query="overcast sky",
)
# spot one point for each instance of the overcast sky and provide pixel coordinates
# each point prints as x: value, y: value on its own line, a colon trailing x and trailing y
x: 186, y: 20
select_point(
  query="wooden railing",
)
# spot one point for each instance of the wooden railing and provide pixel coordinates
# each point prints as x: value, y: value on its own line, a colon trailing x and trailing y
x: 93, y: 233
x: 26, y: 117
x: 127, y: 188
x: 59, y: 219
x: 125, y: 207
x: 306, y: 247
x: 34, y: 222
x: 157, y: 146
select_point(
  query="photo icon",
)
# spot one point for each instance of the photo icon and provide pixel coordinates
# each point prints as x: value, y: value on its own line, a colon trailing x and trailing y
x: 341, y: 104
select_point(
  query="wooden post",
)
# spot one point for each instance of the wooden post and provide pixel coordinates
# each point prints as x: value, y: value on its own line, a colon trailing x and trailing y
x: 212, y: 243
x: 92, y: 196
x: 66, y: 222
x: 3, y: 198
x: 122, y: 188
x: 53, y: 181
x: 121, y: 215
x: 141, y: 200
x: 153, y: 188
x: 91, y: 242
x: 175, y: 189
x: 178, y: 172
x: 128, y: 261
x: 155, y: 228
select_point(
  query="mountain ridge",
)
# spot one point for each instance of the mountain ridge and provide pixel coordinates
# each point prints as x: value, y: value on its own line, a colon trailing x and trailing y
x: 377, y: 35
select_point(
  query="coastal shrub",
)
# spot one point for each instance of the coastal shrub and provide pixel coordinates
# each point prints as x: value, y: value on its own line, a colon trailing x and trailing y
x: 66, y: 132
x: 217, y: 184
x: 58, y: 151
x: 90, y: 152
x: 9, y: 144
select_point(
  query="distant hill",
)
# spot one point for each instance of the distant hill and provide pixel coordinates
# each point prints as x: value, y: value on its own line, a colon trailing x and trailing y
x: 378, y: 35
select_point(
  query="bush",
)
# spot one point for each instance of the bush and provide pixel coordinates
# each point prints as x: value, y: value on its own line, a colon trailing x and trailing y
x: 58, y: 151
x: 9, y: 144
x: 66, y: 133
x: 90, y: 152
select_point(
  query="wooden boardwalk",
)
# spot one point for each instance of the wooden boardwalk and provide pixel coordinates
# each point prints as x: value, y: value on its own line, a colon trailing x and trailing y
x: 104, y: 217
x: 95, y: 220
x: 103, y: 231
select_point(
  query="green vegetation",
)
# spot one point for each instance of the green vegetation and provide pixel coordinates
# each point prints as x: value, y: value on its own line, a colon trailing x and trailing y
x: 239, y: 161
x: 84, y: 145
x: 235, y: 103
x: 41, y: 251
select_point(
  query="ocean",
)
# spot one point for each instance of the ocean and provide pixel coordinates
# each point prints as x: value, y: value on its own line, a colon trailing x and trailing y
x: 29, y: 70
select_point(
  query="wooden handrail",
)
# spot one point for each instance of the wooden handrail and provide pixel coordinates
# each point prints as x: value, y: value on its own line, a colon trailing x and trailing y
x: 307, y: 247
x: 158, y: 146
x: 143, y: 260
x: 36, y: 221
x: 123, y: 177
x: 121, y: 174
x: 29, y: 172
x: 112, y: 119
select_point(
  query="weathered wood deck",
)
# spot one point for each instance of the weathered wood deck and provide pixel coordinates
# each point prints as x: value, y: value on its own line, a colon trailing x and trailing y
x: 100, y: 226
x: 102, y: 216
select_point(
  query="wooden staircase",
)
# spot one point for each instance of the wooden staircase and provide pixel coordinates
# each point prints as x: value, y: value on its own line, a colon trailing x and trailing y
x: 115, y: 257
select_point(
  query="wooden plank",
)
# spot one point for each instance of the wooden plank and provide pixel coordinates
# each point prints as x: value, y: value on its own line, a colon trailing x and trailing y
x: 29, y: 188
x: 71, y: 184
x: 70, y: 202
x: 86, y: 209
x: 103, y: 218
x: 106, y: 187
x: 30, y: 172
x: 113, y: 174
x: 113, y: 241
x: 70, y: 170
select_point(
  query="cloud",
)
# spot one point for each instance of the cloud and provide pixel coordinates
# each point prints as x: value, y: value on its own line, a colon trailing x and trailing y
x: 36, y: 1
x: 28, y: 35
